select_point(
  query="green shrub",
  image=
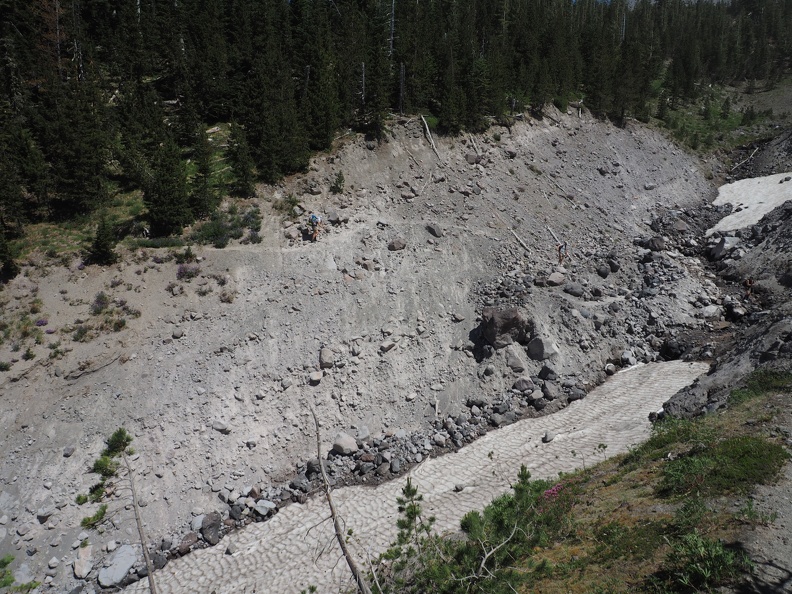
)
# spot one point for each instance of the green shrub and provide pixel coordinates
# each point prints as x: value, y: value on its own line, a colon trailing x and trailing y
x: 100, y: 303
x: 105, y: 466
x: 185, y: 257
x: 689, y: 515
x: 733, y: 465
x: 28, y: 355
x: 96, y: 519
x: 80, y: 333
x: 118, y: 442
x: 81, y: 499
x: 97, y: 491
x: 6, y: 577
x: 252, y: 219
x: 697, y: 564
x: 5, y: 366
x: 337, y: 187
x: 666, y: 434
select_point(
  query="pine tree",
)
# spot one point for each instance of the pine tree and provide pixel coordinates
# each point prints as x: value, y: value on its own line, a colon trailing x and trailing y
x: 8, y: 268
x: 165, y: 194
x: 102, y: 250
x: 241, y: 161
x: 203, y: 198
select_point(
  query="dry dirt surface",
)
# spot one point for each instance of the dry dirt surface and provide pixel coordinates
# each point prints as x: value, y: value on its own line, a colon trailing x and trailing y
x: 375, y: 326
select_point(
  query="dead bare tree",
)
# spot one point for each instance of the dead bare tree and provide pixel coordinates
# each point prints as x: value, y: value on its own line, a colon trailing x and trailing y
x: 360, y: 580
x: 141, y: 533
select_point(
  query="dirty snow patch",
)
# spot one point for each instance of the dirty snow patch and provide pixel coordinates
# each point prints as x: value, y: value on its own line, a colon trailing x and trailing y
x: 752, y: 198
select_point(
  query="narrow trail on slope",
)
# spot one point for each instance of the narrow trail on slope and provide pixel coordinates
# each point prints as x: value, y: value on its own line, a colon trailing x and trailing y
x: 296, y: 548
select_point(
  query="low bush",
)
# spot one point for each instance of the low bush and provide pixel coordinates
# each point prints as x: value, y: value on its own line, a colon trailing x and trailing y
x: 696, y: 563
x: 81, y: 333
x: 185, y: 257
x: 187, y: 271
x: 5, y: 366
x: 224, y: 226
x: 100, y: 303
x: 733, y: 465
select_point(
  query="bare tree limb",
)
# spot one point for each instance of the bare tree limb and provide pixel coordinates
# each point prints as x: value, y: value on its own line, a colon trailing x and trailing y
x: 149, y: 566
x: 429, y: 136
x: 746, y: 160
x: 356, y: 574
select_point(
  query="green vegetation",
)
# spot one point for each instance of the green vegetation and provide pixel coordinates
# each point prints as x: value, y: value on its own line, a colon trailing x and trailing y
x: 106, y: 466
x: 7, y: 578
x: 226, y: 225
x: 337, y: 187
x: 96, y: 519
x: 660, y: 519
x: 102, y: 250
x: 106, y: 125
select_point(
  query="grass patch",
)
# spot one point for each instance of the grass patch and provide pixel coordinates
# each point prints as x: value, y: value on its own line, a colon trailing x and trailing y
x: 758, y: 383
x: 733, y: 465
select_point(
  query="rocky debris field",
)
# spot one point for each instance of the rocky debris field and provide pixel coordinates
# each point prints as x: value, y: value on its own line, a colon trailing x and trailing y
x: 433, y: 308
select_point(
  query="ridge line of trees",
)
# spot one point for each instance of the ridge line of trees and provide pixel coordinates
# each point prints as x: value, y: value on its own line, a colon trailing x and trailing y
x: 102, y: 96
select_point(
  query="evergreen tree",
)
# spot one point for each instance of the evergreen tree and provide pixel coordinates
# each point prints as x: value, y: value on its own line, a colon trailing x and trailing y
x: 203, y: 199
x: 165, y: 194
x: 241, y: 161
x: 102, y: 250
x: 8, y: 268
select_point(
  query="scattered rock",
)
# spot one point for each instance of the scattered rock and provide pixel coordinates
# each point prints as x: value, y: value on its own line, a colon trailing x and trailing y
x: 118, y: 568
x: 210, y: 528
x: 83, y: 564
x: 501, y: 327
x: 548, y: 436
x: 656, y: 244
x: 397, y: 244
x: 515, y: 358
x: 327, y: 358
x: 344, y: 444
x: 435, y: 229
x: 540, y: 349
x: 556, y: 279
x: 221, y: 427
x: 68, y: 451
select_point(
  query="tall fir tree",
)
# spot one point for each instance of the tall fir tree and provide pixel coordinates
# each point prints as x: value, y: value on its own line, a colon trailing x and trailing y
x: 241, y: 161
x: 165, y: 194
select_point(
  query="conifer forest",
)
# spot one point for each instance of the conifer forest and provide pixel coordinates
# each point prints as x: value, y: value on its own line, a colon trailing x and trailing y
x: 105, y: 96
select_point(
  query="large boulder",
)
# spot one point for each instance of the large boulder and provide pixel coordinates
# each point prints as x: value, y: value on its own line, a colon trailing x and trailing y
x: 515, y: 359
x: 656, y: 244
x: 210, y: 528
x: 344, y: 444
x: 326, y: 358
x: 502, y: 326
x: 556, y: 279
x: 724, y: 247
x: 540, y: 349
x: 122, y: 561
x: 83, y: 564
